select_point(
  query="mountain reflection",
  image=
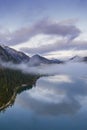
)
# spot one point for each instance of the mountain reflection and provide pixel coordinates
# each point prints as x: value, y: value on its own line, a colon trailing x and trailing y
x: 13, y: 82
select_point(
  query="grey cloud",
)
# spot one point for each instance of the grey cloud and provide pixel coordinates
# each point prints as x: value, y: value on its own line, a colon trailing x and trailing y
x: 58, y: 45
x: 70, y: 21
x: 44, y: 26
x: 54, y: 28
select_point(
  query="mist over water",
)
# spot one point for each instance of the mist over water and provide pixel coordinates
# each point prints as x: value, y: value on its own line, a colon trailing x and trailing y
x: 57, y: 101
x: 47, y: 69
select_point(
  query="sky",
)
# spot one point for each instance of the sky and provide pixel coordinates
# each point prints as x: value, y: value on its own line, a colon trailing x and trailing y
x: 51, y: 28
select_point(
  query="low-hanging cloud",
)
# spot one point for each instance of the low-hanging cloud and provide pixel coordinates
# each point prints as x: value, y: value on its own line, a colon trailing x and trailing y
x: 25, y: 68
x: 51, y: 69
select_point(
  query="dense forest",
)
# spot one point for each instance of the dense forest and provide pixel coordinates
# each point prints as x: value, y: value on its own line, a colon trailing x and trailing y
x: 13, y: 82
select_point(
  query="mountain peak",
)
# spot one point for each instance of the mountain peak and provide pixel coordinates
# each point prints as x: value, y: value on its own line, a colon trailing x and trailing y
x: 36, y: 55
x: 9, y: 54
x: 36, y: 60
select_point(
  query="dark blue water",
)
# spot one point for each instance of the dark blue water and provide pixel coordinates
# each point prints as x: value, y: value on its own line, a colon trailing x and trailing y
x: 57, y: 102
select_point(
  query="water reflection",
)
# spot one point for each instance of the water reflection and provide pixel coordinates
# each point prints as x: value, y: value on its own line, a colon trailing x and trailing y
x: 56, y: 102
x: 61, y: 94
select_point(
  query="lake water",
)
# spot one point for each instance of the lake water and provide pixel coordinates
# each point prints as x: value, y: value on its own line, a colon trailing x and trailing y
x: 55, y: 102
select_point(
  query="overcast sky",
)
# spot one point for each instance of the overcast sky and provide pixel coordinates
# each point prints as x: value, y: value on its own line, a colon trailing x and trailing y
x: 47, y: 27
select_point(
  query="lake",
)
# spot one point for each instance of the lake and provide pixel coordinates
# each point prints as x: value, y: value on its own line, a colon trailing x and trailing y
x: 55, y: 101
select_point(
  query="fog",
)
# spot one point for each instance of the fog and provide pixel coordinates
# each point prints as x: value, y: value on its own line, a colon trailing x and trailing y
x: 25, y: 68
x: 47, y: 69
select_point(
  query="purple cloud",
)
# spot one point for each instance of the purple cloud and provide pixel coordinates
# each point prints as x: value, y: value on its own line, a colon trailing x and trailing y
x: 44, y: 26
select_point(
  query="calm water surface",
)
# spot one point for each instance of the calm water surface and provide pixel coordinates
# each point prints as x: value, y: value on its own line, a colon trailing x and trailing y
x: 56, y: 102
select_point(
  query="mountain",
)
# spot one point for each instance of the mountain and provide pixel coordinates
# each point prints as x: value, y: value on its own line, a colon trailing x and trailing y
x: 39, y: 60
x: 85, y: 59
x: 78, y: 59
x: 75, y: 59
x: 9, y: 54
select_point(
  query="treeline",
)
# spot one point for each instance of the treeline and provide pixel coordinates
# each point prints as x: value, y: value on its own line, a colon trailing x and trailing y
x: 10, y: 80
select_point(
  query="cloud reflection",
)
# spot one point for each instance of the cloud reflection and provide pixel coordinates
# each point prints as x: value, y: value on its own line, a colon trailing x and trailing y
x: 59, y: 79
x: 50, y: 108
x: 54, y: 98
x: 64, y: 93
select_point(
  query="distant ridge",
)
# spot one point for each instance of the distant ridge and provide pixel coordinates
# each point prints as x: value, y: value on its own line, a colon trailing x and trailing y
x: 8, y: 54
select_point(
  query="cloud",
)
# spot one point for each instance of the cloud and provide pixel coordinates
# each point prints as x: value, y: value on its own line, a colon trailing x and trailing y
x: 58, y: 45
x: 45, y: 26
x: 25, y: 68
x: 70, y: 21
x: 51, y: 69
x: 49, y: 27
